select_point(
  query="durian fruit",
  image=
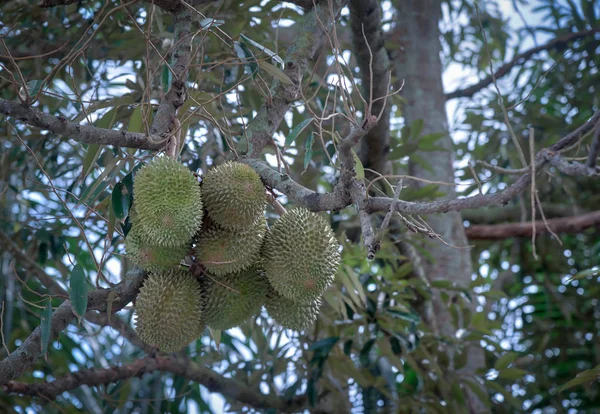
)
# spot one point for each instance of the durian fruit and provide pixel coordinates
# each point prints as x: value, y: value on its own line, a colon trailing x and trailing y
x: 169, y: 310
x: 224, y: 251
x: 301, y: 255
x: 150, y: 257
x: 233, y: 195
x: 233, y: 298
x: 168, y: 202
x: 290, y: 314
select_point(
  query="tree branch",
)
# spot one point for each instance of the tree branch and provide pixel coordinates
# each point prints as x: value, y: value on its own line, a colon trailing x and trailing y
x: 176, y: 96
x: 556, y: 43
x: 23, y: 357
x: 83, y: 133
x: 374, y: 65
x: 573, y: 224
x: 594, y: 149
x: 315, y: 27
x: 178, y: 366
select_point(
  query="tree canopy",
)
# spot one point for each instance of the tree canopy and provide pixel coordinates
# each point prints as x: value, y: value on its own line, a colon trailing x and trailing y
x: 452, y: 146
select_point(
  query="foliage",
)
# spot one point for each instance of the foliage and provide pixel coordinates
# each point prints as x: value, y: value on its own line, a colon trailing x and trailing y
x: 105, y: 64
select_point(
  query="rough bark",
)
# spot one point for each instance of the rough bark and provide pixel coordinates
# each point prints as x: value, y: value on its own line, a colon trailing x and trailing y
x: 418, y: 63
x: 375, y: 65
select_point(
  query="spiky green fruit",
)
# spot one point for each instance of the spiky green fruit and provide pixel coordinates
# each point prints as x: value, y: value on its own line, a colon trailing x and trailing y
x: 169, y: 310
x: 301, y: 255
x: 168, y: 202
x: 150, y: 257
x: 290, y: 314
x: 224, y: 251
x: 233, y: 195
x: 233, y: 298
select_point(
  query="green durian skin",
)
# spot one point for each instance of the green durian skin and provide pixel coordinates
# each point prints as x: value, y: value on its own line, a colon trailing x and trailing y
x: 152, y: 258
x: 233, y: 195
x: 223, y: 251
x: 168, y: 310
x: 233, y: 298
x: 290, y: 314
x: 301, y: 255
x: 168, y: 203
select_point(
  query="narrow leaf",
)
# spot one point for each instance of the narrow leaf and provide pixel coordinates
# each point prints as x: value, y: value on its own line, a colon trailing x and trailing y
x: 360, y: 170
x: 120, y: 201
x: 308, y: 150
x: 296, y: 131
x: 79, y: 291
x: 269, y: 52
x: 275, y: 72
x: 505, y: 360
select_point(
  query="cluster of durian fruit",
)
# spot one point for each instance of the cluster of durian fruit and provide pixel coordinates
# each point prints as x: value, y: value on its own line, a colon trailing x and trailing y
x: 238, y: 264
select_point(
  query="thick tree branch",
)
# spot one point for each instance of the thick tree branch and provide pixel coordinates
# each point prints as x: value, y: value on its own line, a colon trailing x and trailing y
x: 557, y: 43
x: 572, y: 168
x: 316, y: 26
x: 339, y: 199
x: 28, y: 264
x: 497, y: 215
x: 574, y: 224
x: 83, y: 133
x: 23, y: 357
x: 176, y: 96
x: 178, y: 366
x: 374, y: 67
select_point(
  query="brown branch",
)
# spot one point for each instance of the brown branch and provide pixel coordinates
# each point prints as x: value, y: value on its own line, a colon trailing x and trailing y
x: 178, y: 366
x: 572, y: 168
x: 556, y: 43
x: 574, y: 224
x: 54, y: 3
x: 176, y: 96
x: 315, y: 27
x: 82, y: 133
x: 496, y: 215
x: 28, y: 264
x: 374, y: 64
x: 23, y: 357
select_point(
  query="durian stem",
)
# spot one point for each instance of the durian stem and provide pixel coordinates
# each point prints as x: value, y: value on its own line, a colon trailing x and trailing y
x: 279, y: 209
x: 174, y: 142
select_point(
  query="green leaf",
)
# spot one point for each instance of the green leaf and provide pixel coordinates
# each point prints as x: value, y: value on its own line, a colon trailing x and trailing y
x: 582, y: 378
x: 120, y: 201
x: 326, y: 343
x: 296, y: 131
x: 89, y: 159
x: 167, y: 78
x: 505, y: 360
x: 511, y: 373
x: 247, y: 57
x: 269, y: 52
x: 135, y: 120
x: 308, y: 150
x: 402, y: 151
x: 79, y: 291
x: 46, y: 326
x: 365, y: 351
x: 415, y: 128
x: 358, y: 167
x: 208, y: 23
x: 275, y: 72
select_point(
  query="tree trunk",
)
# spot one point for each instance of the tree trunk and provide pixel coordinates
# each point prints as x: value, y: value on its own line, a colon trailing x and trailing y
x: 417, y: 62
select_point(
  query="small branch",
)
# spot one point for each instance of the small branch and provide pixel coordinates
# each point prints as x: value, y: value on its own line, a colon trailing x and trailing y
x: 574, y: 224
x: 557, y: 43
x: 82, y: 133
x: 23, y: 357
x: 28, y: 264
x: 572, y: 168
x: 179, y: 366
x: 54, y: 3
